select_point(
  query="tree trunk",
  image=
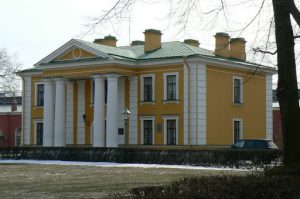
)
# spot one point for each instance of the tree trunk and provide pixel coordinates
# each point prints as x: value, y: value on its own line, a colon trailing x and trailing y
x: 287, y: 90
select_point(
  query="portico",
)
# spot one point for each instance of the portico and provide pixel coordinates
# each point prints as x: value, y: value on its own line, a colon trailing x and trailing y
x: 99, y: 119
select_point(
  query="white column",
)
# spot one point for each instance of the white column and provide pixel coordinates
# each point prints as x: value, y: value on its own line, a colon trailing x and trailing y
x: 133, y: 105
x: 48, y: 121
x: 26, y: 110
x: 269, y: 112
x: 112, y: 111
x: 70, y: 113
x: 99, y: 112
x: 80, y: 111
x: 60, y: 113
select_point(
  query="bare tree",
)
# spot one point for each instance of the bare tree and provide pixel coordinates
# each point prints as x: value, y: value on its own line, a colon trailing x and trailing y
x: 8, y: 69
x: 281, y: 43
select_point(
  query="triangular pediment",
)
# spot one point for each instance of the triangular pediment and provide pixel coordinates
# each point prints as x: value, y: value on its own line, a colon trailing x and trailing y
x: 73, y: 50
x: 75, y: 53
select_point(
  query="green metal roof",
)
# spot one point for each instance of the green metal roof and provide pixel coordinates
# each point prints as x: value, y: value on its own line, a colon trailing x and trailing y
x: 167, y: 50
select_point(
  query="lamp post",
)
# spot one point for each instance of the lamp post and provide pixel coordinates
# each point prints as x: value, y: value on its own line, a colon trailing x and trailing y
x: 126, y: 113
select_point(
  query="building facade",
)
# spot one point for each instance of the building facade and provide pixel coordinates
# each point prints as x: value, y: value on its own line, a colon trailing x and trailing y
x: 10, y: 121
x: 177, y: 93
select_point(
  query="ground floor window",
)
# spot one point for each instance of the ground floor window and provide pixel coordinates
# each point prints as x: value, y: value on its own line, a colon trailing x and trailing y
x: 18, y: 137
x: 170, y: 129
x: 237, y: 130
x: 148, y: 132
x: 39, y: 133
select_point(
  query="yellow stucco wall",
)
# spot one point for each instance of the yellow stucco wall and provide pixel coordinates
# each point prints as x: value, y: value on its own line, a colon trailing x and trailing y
x: 160, y: 108
x: 221, y: 111
x: 36, y: 111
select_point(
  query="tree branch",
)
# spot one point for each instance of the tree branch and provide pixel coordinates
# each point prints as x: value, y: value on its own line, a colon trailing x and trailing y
x: 294, y: 12
x: 264, y: 51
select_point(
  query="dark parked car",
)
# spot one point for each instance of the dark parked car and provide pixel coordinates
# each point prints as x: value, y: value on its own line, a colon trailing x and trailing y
x: 254, y: 144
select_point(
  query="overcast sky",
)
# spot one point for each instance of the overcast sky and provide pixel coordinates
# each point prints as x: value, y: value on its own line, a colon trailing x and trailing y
x: 32, y: 29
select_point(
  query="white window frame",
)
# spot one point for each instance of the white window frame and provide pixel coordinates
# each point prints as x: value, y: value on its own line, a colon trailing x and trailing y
x: 165, y: 85
x: 36, y: 84
x: 142, y: 86
x: 35, y: 121
x: 241, y: 91
x: 241, y: 128
x: 142, y: 118
x: 166, y: 118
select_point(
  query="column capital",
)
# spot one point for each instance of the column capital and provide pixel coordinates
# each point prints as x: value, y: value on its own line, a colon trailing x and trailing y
x: 112, y: 76
x: 59, y: 80
x: 97, y: 76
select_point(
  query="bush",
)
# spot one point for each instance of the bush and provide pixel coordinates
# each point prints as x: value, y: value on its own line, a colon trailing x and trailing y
x: 231, y: 187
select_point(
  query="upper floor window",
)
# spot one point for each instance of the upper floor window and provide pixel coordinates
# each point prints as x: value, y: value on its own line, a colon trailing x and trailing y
x: 237, y: 90
x: 171, y: 86
x: 39, y: 95
x: 147, y: 88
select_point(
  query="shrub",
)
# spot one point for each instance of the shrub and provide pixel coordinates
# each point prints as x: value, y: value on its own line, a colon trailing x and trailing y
x: 231, y: 187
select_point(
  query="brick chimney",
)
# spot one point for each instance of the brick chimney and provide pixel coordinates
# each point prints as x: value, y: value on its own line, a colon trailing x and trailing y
x: 108, y: 41
x: 237, y: 48
x: 222, y: 45
x: 192, y: 42
x: 137, y: 43
x: 152, y: 40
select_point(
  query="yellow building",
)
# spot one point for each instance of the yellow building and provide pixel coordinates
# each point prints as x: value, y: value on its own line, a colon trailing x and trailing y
x: 177, y: 94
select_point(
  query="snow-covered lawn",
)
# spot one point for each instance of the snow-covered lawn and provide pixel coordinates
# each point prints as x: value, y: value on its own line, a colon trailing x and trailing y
x: 112, y: 164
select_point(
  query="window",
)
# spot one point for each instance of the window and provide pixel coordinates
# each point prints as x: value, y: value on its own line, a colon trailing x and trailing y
x: 237, y: 90
x: 18, y: 137
x: 171, y: 86
x: 170, y: 130
x: 147, y: 88
x: 148, y: 132
x: 237, y: 130
x: 39, y: 133
x: 39, y: 95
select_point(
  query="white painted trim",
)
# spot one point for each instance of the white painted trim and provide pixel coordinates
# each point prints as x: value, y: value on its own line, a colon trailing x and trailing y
x: 170, y: 117
x: 36, y: 92
x: 241, y: 86
x: 269, y: 112
x: 165, y: 84
x: 241, y: 128
x: 142, y: 119
x: 35, y: 121
x: 133, y: 107
x: 201, y: 99
x: 142, y: 86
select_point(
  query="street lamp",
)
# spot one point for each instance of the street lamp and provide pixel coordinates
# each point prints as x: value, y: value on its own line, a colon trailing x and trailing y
x: 126, y: 113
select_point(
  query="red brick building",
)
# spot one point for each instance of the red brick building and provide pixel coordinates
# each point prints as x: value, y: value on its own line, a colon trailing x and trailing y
x: 10, y: 121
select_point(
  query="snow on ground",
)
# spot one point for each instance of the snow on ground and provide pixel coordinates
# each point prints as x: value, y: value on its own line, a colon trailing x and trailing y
x: 112, y: 164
